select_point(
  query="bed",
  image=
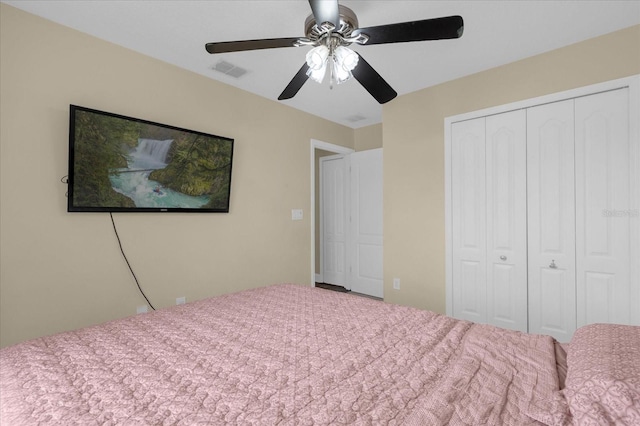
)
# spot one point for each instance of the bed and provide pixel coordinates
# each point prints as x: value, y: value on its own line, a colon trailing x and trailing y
x: 296, y: 355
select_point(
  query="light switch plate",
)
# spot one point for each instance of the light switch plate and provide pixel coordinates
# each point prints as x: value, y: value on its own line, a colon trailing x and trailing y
x: 296, y: 214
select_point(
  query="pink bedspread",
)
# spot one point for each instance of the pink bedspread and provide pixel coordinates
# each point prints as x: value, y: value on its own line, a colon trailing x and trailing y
x: 279, y: 355
x: 603, y: 384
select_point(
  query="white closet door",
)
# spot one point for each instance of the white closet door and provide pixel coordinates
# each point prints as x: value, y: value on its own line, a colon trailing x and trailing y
x: 551, y: 220
x: 468, y: 202
x: 603, y: 211
x: 506, y: 208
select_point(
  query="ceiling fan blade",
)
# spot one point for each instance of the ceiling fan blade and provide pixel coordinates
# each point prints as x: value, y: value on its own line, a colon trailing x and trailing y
x: 428, y: 29
x: 325, y: 11
x: 373, y: 82
x: 295, y: 84
x: 238, y: 46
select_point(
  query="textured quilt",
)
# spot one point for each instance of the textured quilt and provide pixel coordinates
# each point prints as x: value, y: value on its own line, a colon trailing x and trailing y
x: 603, y: 384
x: 279, y: 355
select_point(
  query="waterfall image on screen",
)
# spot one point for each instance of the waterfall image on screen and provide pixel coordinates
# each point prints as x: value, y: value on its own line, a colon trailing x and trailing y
x: 133, y: 181
x: 124, y: 164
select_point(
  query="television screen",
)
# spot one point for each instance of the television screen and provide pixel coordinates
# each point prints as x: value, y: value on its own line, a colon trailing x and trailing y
x: 124, y: 164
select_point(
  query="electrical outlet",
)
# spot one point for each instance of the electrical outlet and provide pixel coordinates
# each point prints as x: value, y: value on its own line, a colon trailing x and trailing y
x: 396, y: 283
x: 181, y: 300
x: 296, y: 214
x: 142, y: 309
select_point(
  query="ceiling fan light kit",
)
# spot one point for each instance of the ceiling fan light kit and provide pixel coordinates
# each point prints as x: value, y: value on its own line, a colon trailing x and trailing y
x: 342, y: 61
x: 330, y: 39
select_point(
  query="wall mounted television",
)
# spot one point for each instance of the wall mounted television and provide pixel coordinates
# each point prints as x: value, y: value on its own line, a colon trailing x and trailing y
x: 125, y: 164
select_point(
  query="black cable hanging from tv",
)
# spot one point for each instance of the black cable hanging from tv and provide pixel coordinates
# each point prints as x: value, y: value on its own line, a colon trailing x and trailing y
x: 127, y: 260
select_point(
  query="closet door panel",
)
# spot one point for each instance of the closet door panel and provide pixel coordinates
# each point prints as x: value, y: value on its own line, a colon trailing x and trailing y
x: 551, y: 219
x: 468, y: 219
x: 603, y: 209
x: 506, y: 220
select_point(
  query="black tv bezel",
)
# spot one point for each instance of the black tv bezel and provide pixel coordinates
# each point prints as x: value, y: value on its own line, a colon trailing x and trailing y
x: 71, y: 208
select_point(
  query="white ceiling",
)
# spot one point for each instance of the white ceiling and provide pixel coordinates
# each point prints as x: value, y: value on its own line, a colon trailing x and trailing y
x: 495, y: 33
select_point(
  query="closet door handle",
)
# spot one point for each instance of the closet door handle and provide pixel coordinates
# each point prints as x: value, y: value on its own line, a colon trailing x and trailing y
x: 553, y: 265
x: 503, y: 257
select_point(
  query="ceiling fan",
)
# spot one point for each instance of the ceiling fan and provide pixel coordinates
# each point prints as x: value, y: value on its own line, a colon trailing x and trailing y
x: 330, y: 29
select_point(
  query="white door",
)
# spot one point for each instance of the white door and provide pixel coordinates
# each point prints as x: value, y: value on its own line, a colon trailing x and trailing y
x: 603, y: 157
x: 506, y: 224
x: 333, y: 226
x: 551, y: 220
x: 468, y: 221
x: 365, y: 228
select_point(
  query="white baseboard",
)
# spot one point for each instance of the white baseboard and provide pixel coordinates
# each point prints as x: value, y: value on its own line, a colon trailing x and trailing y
x: 318, y: 278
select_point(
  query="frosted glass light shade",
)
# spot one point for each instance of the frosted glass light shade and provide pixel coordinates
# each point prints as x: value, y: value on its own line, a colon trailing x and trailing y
x: 317, y: 75
x: 340, y: 74
x: 347, y: 58
x: 317, y: 57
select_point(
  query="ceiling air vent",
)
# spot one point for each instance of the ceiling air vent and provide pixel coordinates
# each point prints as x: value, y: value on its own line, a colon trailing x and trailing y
x: 355, y: 117
x: 229, y: 69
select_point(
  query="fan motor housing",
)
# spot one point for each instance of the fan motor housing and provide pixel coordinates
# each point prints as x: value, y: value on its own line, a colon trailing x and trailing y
x: 348, y: 23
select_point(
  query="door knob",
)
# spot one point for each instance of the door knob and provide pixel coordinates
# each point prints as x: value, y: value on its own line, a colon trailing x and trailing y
x: 553, y: 265
x: 503, y: 257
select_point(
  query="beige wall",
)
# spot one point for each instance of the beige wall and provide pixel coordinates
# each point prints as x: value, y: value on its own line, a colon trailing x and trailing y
x: 60, y: 270
x: 369, y: 137
x: 413, y: 136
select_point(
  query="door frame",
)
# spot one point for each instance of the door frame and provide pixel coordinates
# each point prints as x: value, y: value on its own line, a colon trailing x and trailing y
x: 336, y: 149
